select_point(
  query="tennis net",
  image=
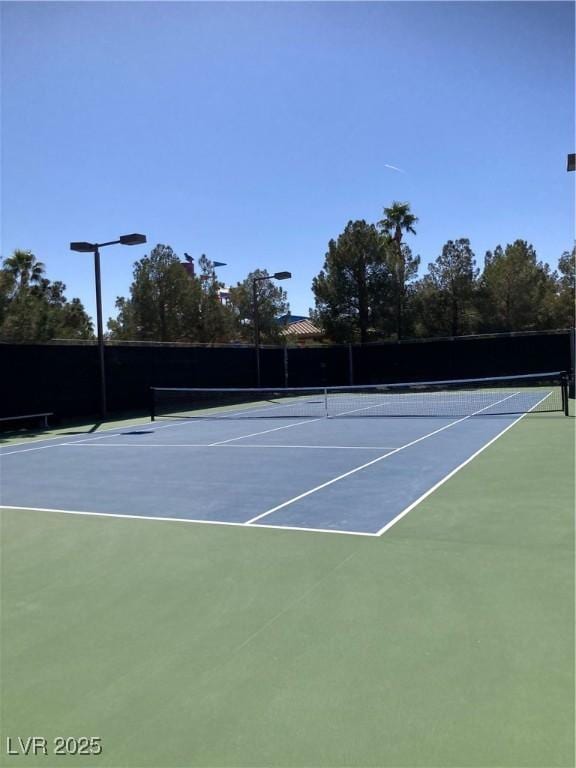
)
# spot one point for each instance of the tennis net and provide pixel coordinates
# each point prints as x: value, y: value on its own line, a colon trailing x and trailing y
x: 544, y: 392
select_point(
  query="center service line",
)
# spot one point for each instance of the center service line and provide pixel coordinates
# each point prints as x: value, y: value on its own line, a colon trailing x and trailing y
x: 265, y: 432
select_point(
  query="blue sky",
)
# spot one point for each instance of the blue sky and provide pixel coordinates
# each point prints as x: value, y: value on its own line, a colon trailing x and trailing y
x: 254, y: 131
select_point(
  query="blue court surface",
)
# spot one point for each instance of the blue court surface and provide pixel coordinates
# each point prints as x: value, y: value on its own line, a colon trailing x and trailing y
x: 352, y: 475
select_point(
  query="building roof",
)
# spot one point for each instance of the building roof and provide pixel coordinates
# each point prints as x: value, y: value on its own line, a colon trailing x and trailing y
x: 290, y: 318
x: 301, y: 328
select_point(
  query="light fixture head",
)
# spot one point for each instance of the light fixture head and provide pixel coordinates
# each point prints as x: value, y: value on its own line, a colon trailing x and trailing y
x: 282, y: 275
x: 134, y: 239
x: 83, y: 247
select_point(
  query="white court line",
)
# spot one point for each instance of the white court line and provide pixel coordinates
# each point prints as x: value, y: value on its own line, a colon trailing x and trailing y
x: 453, y: 472
x: 64, y: 436
x: 306, y: 421
x: 155, y: 427
x: 114, y: 432
x: 117, y: 431
x: 289, y: 426
x: 224, y: 445
x: 374, y: 461
x: 253, y: 524
x: 266, y: 431
x: 187, y: 520
x: 58, y: 445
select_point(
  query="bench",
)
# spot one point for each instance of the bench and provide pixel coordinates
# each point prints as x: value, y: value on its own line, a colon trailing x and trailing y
x: 43, y: 416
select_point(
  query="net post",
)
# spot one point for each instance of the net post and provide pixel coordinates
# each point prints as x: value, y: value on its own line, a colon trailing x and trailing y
x: 350, y: 365
x: 326, y: 402
x: 152, y: 405
x: 572, y: 372
x: 564, y: 387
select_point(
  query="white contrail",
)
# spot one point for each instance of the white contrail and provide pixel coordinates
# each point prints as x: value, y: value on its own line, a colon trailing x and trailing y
x: 393, y: 168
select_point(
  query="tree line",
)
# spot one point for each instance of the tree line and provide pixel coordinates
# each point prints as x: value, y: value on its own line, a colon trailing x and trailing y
x: 369, y: 288
x: 33, y: 308
x: 167, y: 303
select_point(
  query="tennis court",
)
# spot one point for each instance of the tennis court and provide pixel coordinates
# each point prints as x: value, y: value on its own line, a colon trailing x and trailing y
x: 195, y: 607
x: 276, y: 458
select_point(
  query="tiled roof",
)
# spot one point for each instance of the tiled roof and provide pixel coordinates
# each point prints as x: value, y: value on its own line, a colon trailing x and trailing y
x: 301, y: 328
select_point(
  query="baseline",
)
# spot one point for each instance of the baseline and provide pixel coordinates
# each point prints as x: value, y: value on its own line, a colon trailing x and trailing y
x: 187, y: 520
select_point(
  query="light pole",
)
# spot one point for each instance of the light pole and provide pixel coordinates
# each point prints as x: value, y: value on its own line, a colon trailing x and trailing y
x: 83, y: 247
x: 571, y: 166
x: 275, y: 276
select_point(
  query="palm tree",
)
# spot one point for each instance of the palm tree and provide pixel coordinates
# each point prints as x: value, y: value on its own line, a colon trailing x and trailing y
x: 397, y: 220
x: 24, y: 269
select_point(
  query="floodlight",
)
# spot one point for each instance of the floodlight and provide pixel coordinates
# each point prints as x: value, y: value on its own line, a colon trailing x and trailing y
x: 83, y: 247
x: 134, y: 239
